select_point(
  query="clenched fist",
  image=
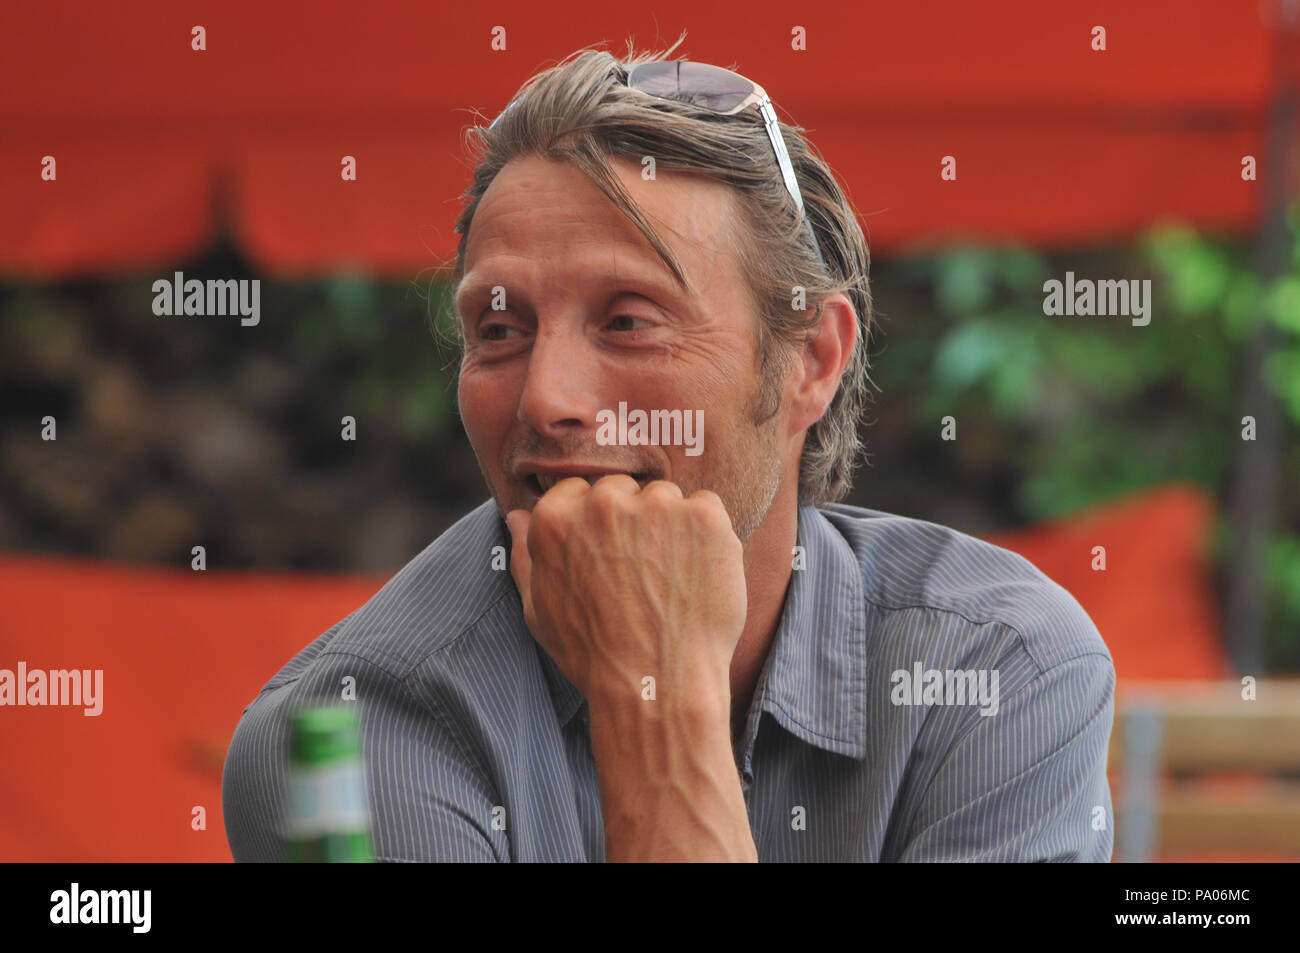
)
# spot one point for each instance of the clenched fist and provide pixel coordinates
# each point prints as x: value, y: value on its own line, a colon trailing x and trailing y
x: 620, y: 582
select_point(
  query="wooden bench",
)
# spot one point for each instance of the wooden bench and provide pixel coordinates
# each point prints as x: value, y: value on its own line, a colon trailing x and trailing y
x: 1197, y: 768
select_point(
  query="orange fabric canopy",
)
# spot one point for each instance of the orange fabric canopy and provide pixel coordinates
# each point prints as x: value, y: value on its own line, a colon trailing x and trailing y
x: 158, y: 146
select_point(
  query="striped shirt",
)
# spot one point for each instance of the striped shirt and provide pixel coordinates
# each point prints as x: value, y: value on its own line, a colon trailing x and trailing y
x: 927, y: 697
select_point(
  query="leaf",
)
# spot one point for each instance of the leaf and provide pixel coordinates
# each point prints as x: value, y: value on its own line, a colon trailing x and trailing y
x: 1282, y: 372
x: 964, y: 284
x: 1014, y: 385
x: 1199, y: 279
x: 1167, y: 245
x: 1022, y: 270
x: 1241, y: 305
x: 967, y: 354
x: 1282, y: 302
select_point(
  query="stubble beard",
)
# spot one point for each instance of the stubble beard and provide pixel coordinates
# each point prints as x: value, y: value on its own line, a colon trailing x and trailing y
x: 749, y: 481
x: 748, y: 478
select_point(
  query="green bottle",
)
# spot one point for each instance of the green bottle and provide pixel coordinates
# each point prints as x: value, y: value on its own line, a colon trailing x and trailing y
x: 328, y: 818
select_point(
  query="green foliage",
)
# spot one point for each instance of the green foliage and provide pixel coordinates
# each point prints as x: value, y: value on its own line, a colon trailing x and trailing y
x: 1092, y: 408
x: 390, y: 348
x: 1284, y: 573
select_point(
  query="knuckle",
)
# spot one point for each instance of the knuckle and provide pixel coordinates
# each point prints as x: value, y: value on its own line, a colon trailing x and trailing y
x: 614, y: 484
x: 548, y: 515
x: 707, y: 498
x: 711, y: 511
x: 662, y: 493
x: 605, y: 501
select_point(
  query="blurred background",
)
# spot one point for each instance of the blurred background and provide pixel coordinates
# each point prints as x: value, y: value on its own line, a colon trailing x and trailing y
x: 1159, y: 143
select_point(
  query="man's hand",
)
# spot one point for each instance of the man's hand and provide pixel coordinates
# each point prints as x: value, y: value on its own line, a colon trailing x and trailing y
x: 619, y: 583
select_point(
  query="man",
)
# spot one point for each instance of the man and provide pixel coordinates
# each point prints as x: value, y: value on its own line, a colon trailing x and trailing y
x: 695, y: 653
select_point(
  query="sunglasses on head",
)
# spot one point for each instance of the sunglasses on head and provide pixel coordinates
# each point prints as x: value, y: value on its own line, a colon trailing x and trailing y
x: 725, y: 93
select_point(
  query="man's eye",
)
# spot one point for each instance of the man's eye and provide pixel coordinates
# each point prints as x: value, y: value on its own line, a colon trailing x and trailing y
x: 628, y: 322
x: 496, y: 332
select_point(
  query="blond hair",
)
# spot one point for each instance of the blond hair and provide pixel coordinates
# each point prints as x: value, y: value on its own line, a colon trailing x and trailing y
x: 582, y: 111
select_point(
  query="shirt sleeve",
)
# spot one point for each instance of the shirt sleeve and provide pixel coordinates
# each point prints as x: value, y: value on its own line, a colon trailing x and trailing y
x: 1029, y: 782
x: 427, y: 799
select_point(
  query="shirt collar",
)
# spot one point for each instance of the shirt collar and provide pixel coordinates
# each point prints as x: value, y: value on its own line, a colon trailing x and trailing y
x: 812, y: 681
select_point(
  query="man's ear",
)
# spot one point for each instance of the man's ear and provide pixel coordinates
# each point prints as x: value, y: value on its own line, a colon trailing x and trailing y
x: 819, y: 366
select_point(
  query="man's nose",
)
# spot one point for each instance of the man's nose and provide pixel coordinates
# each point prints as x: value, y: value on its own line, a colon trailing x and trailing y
x: 558, y: 398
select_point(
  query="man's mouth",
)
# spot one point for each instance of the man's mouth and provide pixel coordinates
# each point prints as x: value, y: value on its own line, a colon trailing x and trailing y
x: 540, y: 483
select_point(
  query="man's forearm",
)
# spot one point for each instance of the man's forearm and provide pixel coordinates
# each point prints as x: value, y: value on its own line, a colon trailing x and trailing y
x: 668, y: 783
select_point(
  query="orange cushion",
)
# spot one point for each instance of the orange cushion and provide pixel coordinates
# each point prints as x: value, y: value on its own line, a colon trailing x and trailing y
x: 1154, y: 603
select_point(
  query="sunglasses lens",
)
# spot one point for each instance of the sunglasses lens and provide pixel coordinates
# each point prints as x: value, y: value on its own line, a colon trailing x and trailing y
x: 699, y: 84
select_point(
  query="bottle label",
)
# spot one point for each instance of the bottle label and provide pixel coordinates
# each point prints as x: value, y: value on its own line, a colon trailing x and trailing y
x: 326, y: 799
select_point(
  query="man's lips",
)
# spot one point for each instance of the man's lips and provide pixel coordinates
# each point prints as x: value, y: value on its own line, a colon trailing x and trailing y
x: 540, y: 478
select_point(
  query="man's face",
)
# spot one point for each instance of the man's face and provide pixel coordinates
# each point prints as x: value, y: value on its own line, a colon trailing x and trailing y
x: 593, y: 318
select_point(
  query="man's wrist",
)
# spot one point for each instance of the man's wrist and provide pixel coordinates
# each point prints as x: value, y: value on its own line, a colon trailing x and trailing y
x: 667, y: 775
x: 655, y: 731
x: 692, y: 702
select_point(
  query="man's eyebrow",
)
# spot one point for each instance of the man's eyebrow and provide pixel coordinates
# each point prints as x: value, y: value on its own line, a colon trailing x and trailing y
x: 650, y: 282
x: 469, y: 286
